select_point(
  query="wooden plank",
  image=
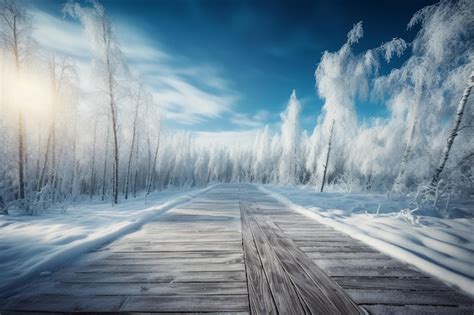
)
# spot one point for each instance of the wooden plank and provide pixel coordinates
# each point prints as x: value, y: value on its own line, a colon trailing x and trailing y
x: 260, y: 296
x: 224, y: 255
x: 181, y: 303
x: 167, y: 277
x: 189, y: 230
x: 61, y: 303
x: 360, y: 263
x: 179, y: 242
x: 326, y: 243
x: 183, y: 245
x: 320, y: 293
x: 163, y: 267
x: 156, y: 260
x: 399, y: 297
x: 172, y: 248
x: 391, y: 283
x: 145, y: 288
x: 368, y: 271
x: 341, y: 249
x: 177, y: 238
x: 342, y: 256
x: 418, y: 309
x: 283, y: 292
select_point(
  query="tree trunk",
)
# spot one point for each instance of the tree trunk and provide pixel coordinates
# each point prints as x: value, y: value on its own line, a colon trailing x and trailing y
x: 21, y: 131
x: 152, y: 171
x: 148, y: 169
x: 74, y: 149
x: 45, y: 163
x: 453, y: 133
x: 327, y: 157
x: 116, y: 155
x: 113, y: 114
x: 104, y: 177
x: 21, y: 157
x: 92, y: 188
x: 137, y: 161
x: 401, y: 172
x: 127, y: 181
x: 38, y: 151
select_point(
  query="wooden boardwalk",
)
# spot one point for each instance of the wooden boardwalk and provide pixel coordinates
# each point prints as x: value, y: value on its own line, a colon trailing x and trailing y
x: 236, y: 250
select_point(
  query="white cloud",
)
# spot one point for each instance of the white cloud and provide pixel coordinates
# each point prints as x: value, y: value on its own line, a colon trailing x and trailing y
x: 243, y: 120
x: 186, y: 103
x: 185, y: 92
x: 137, y: 47
x: 60, y: 35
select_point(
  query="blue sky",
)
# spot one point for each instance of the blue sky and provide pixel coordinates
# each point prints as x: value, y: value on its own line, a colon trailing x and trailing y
x: 239, y: 60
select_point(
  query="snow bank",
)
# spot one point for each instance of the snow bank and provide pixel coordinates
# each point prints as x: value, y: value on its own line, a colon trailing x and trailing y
x: 443, y: 248
x: 36, y: 245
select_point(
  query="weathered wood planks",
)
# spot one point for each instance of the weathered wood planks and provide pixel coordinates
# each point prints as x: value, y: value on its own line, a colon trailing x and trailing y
x: 190, y: 260
x: 295, y: 283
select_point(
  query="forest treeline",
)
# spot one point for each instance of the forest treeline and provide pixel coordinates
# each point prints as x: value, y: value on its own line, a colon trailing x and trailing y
x: 53, y: 149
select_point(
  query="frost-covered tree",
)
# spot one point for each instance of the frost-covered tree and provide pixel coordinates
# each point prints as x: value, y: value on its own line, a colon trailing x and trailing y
x: 262, y: 166
x: 137, y: 99
x: 110, y: 63
x: 454, y: 131
x: 62, y: 75
x: 341, y: 78
x: 15, y: 38
x: 290, y: 143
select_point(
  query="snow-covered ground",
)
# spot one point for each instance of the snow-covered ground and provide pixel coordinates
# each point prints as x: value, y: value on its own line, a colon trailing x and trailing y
x: 441, y: 247
x: 35, y: 245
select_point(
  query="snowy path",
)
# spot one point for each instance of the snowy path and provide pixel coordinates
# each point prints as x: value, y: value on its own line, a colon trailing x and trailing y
x: 236, y: 249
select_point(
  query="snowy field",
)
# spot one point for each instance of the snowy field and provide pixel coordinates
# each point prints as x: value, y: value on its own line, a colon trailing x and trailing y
x: 443, y: 248
x: 36, y: 245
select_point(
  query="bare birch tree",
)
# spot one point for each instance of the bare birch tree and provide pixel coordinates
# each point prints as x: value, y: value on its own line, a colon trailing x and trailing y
x: 137, y: 98
x: 325, y: 169
x: 15, y: 35
x: 110, y: 60
x: 106, y: 157
x: 151, y: 175
x: 454, y: 131
x: 93, y: 174
x: 399, y: 180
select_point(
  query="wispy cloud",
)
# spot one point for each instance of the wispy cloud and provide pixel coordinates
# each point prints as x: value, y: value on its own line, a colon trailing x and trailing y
x: 185, y: 92
x: 256, y: 121
x: 186, y: 103
x: 59, y: 35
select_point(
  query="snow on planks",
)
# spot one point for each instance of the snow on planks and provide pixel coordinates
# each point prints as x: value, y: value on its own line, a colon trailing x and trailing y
x: 236, y: 250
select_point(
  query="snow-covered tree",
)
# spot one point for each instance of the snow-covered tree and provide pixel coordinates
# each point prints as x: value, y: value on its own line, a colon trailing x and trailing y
x: 290, y: 143
x: 15, y: 38
x: 110, y: 63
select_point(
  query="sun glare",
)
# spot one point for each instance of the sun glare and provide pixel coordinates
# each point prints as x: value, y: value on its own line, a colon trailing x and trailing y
x: 29, y: 92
